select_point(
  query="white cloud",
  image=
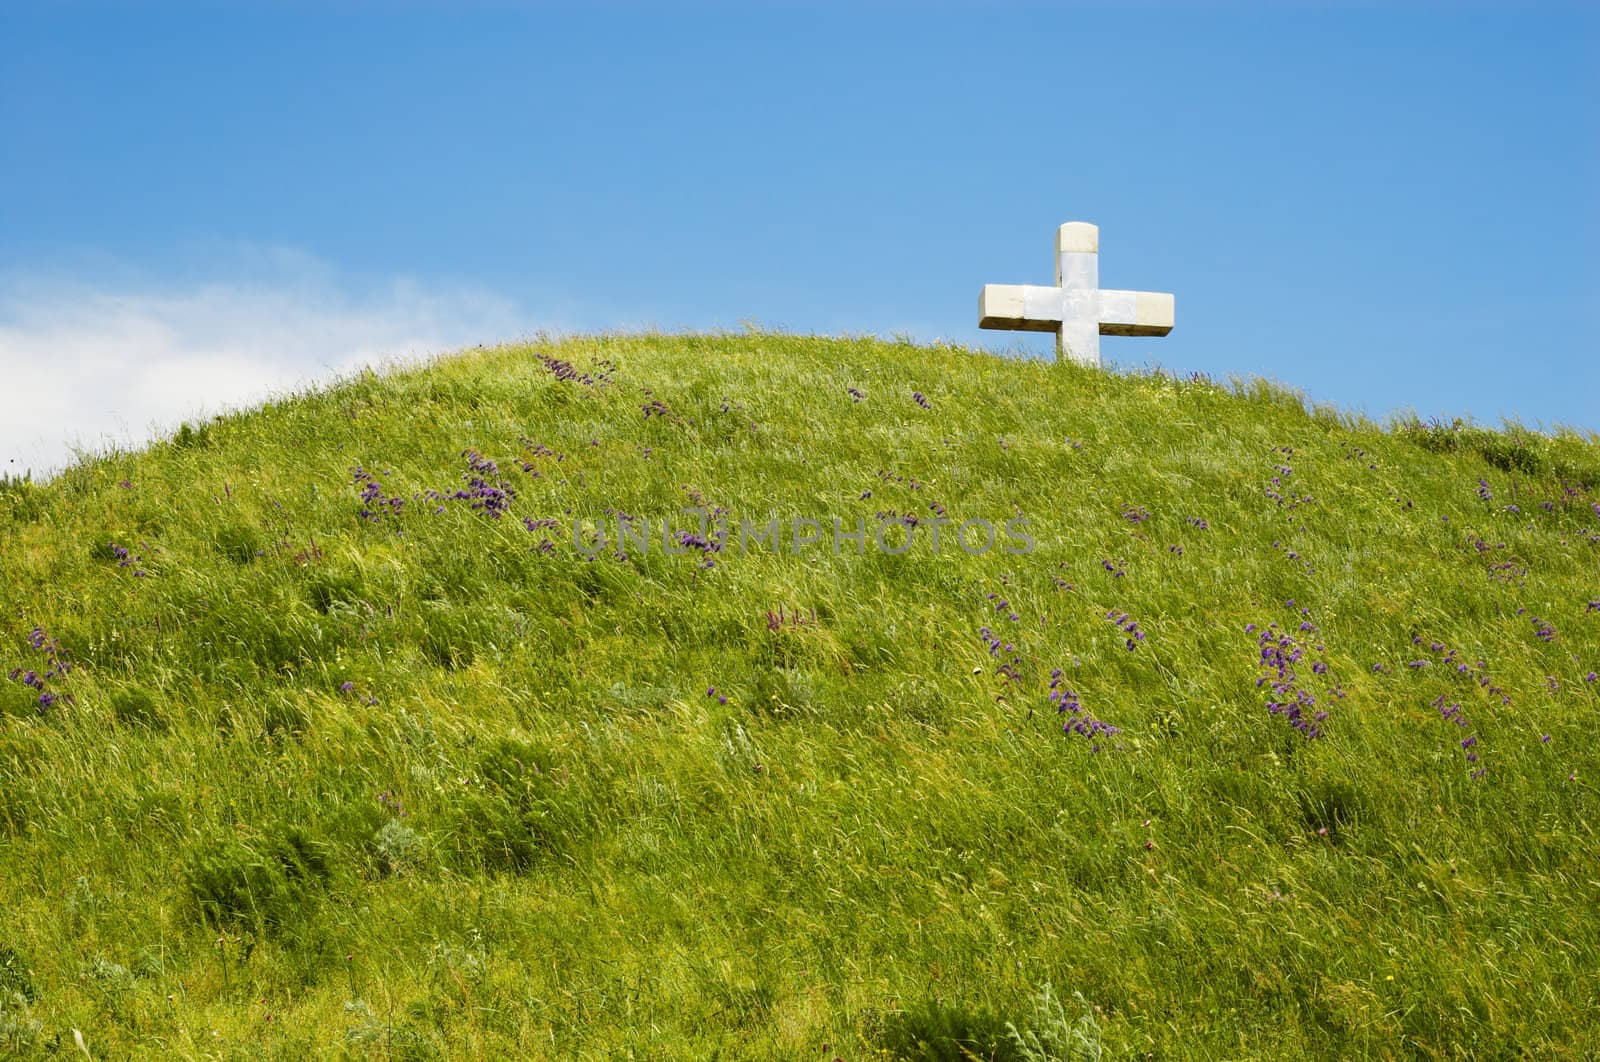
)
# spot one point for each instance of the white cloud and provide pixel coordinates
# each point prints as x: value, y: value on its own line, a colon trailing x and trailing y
x: 92, y: 365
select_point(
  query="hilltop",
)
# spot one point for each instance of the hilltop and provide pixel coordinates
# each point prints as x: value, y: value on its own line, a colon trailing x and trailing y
x: 1259, y: 730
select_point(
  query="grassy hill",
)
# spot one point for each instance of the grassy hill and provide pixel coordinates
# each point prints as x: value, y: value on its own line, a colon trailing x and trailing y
x: 325, y: 736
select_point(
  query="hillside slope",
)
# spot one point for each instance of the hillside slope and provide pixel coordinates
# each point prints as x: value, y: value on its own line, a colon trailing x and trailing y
x: 1269, y: 733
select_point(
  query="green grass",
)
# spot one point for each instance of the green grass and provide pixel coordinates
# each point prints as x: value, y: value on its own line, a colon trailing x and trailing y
x: 525, y: 829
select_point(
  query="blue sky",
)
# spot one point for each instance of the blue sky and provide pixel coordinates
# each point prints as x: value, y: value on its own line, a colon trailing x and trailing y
x: 1388, y: 207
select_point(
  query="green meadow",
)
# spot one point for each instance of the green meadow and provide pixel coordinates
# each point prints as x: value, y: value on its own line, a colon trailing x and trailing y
x: 1261, y: 730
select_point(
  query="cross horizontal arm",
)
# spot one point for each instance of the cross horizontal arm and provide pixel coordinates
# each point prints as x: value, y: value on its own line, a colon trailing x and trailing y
x: 1135, y: 313
x: 1020, y: 307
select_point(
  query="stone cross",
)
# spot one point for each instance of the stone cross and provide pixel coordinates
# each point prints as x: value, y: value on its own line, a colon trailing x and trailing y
x: 1076, y: 309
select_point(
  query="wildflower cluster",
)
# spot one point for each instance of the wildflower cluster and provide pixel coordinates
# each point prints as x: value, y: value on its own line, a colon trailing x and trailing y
x: 654, y: 407
x: 794, y: 617
x: 1006, y: 652
x: 706, y: 540
x: 1512, y: 570
x: 567, y: 372
x: 1294, y: 556
x: 893, y: 516
x: 1450, y: 658
x: 1569, y: 496
x: 126, y: 560
x: 536, y: 527
x: 1003, y: 606
x: 1135, y: 514
x: 1126, y: 624
x: 485, y: 491
x: 1543, y: 630
x: 1115, y: 568
x: 1451, y: 713
x: 1280, y: 654
x: 375, y: 502
x: 891, y: 477
x: 920, y: 399
x: 855, y: 395
x: 536, y: 449
x: 1356, y: 453
x: 1280, y: 472
x: 366, y: 699
x: 55, y: 667
x: 1077, y: 720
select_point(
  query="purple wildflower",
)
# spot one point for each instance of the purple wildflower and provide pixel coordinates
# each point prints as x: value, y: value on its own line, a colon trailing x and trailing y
x: 1278, y: 657
x: 566, y: 371
x: 1078, y: 721
x: 1452, y: 713
x: 485, y: 491
x: 1129, y: 627
x: 56, y: 666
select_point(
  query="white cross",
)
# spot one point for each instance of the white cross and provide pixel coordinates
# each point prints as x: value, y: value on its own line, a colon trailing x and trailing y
x: 1076, y: 310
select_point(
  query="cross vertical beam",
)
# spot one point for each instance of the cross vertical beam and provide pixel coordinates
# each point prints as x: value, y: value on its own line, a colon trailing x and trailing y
x: 1078, y: 277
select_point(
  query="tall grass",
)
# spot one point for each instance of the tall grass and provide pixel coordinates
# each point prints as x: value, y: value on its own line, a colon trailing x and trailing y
x: 325, y: 738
